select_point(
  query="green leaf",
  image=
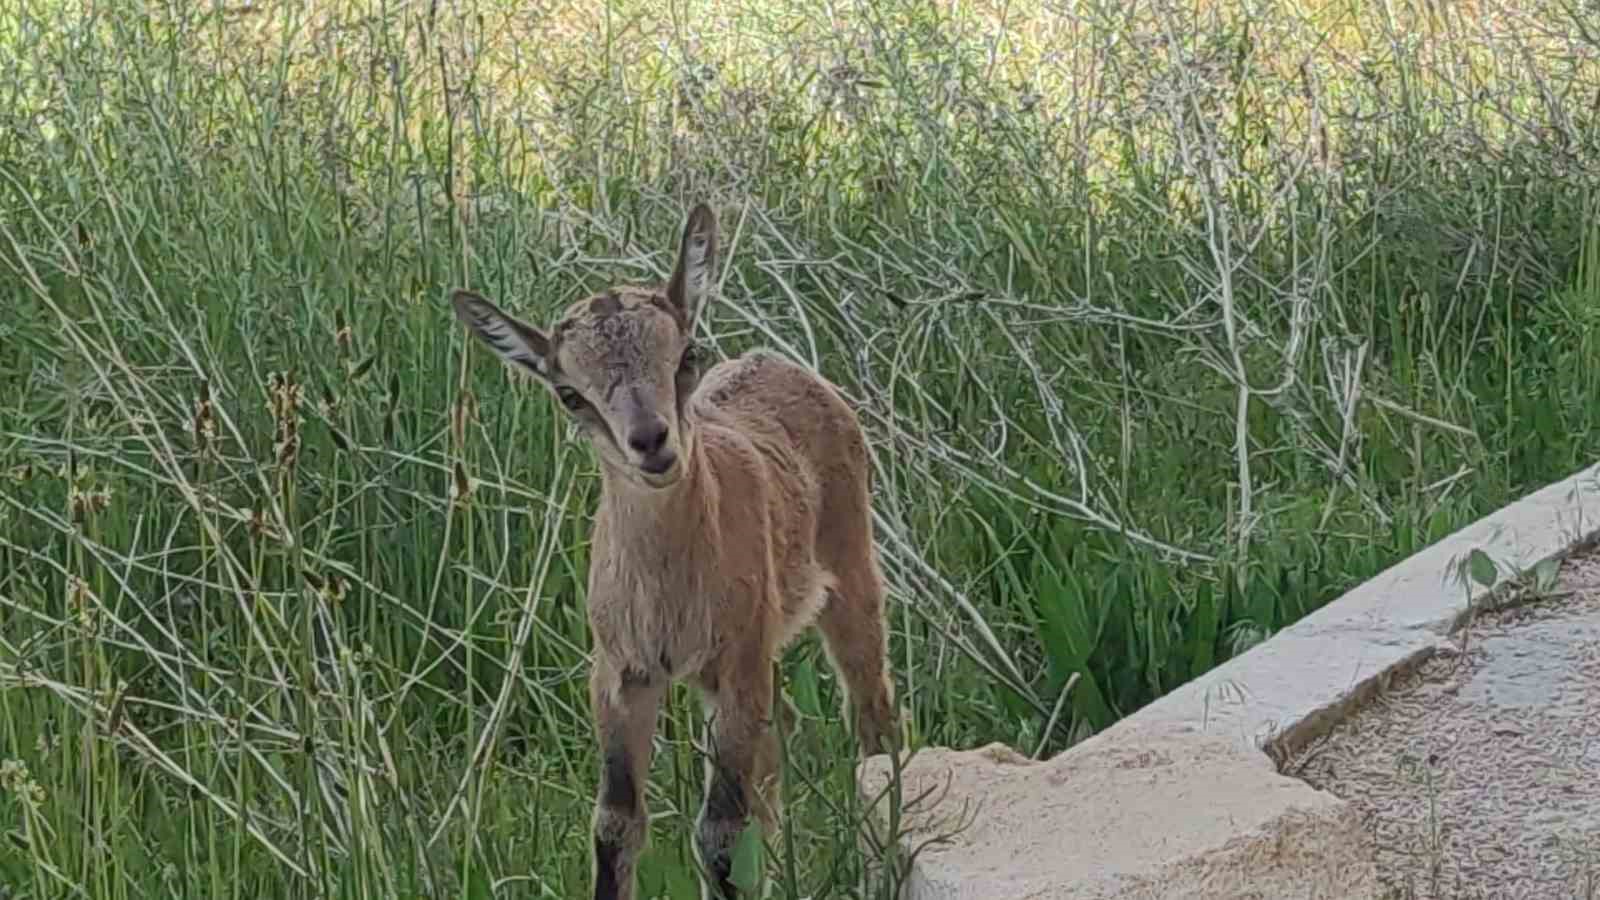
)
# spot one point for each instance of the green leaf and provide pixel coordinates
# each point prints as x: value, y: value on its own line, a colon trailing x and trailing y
x: 804, y: 688
x: 1203, y: 630
x: 1481, y: 568
x: 662, y: 877
x: 1545, y: 575
x: 476, y: 884
x: 747, y: 858
x: 1068, y: 637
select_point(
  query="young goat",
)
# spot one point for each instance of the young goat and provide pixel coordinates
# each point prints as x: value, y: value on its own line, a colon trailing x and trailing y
x: 733, y: 513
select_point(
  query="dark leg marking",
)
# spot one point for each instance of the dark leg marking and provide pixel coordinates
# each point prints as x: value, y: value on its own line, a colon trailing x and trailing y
x: 618, y: 790
x: 725, y: 801
x: 606, y: 886
x: 724, y: 816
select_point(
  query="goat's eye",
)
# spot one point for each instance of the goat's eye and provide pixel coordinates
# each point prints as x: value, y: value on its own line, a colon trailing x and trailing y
x: 691, y: 358
x: 570, y: 398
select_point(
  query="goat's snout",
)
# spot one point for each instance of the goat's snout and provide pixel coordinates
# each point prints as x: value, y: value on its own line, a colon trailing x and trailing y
x: 649, y: 440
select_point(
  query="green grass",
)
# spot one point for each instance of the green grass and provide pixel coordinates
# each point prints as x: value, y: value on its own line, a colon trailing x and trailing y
x: 1168, y: 326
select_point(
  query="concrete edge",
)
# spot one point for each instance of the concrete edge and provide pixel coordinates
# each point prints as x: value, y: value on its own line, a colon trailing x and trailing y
x: 1293, y: 687
x: 1187, y: 798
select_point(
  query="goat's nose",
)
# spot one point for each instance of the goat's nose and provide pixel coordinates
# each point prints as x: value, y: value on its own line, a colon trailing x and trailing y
x: 648, y: 438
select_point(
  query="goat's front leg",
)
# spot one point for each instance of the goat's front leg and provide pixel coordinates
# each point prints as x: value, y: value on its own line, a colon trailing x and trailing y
x: 624, y: 706
x: 741, y: 765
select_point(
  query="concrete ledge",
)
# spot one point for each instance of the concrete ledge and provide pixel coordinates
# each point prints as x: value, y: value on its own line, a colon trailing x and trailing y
x: 1163, y: 816
x: 1178, y: 800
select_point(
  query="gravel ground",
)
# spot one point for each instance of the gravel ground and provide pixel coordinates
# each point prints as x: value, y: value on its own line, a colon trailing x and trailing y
x: 1480, y: 772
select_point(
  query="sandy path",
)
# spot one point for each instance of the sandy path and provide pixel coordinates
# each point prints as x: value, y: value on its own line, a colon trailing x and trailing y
x: 1480, y: 773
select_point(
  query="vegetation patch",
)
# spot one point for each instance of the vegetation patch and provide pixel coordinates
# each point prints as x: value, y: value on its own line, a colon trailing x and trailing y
x: 1168, y: 324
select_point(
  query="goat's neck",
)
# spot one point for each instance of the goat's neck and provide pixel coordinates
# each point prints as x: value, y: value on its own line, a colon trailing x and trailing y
x: 661, y: 519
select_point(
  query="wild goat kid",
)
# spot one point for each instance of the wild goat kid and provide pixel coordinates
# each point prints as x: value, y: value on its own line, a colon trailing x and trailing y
x: 733, y: 513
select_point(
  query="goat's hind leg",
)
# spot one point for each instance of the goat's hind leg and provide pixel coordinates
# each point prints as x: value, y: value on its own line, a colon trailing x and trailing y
x: 853, y: 631
x: 624, y: 708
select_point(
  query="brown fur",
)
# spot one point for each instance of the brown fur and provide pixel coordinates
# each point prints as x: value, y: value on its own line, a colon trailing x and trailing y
x: 734, y: 511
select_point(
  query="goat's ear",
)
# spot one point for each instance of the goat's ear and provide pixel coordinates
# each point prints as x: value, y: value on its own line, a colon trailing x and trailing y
x: 697, y: 263
x: 514, y: 342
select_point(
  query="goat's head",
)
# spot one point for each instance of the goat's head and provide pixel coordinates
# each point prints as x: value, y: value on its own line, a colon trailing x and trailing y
x: 622, y: 362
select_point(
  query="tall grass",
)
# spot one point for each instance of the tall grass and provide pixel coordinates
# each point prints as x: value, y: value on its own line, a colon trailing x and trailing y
x: 1169, y: 323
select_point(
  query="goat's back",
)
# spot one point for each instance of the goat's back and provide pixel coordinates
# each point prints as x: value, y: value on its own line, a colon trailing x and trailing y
x: 794, y: 416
